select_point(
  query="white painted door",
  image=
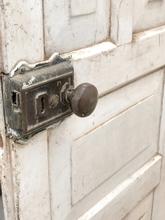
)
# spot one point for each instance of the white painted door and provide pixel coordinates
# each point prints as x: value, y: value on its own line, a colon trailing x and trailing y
x: 109, y: 166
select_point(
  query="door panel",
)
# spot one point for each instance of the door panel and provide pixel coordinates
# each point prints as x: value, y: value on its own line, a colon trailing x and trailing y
x: 82, y: 7
x: 19, y: 21
x: 112, y: 145
x: 148, y: 14
x: 159, y: 196
x: 66, y: 21
x: 143, y: 211
x: 113, y: 111
x: 127, y: 195
x: 22, y: 39
x: 119, y: 65
x: 31, y: 175
x: 106, y: 166
x: 116, y: 102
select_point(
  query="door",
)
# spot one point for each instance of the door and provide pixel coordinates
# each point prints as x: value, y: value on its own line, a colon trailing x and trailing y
x: 110, y: 165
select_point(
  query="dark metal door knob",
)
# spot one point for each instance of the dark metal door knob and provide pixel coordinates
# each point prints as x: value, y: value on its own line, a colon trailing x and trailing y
x: 83, y: 99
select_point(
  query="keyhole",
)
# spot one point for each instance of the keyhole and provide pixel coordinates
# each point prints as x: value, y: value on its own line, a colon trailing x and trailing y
x: 42, y: 104
x: 15, y: 98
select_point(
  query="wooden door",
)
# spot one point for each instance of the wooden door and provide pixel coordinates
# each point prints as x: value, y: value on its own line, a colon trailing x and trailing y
x: 109, y: 166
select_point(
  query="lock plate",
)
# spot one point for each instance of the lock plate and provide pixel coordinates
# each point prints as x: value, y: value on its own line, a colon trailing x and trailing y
x: 33, y: 97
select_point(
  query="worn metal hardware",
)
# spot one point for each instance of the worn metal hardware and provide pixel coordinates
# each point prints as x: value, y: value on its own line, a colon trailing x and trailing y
x: 83, y: 99
x: 37, y: 96
x: 33, y: 98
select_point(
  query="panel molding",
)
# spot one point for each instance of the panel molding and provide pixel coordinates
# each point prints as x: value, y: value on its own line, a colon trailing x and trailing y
x: 148, y: 14
x: 82, y: 7
x: 119, y: 202
x: 119, y: 147
x: 99, y: 62
x: 121, y: 21
x: 159, y: 194
x: 74, y: 24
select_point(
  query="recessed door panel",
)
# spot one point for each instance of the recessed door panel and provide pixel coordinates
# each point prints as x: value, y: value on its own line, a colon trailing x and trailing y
x: 148, y: 14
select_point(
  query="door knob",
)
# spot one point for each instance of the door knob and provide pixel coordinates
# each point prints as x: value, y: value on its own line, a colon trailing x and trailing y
x: 83, y: 99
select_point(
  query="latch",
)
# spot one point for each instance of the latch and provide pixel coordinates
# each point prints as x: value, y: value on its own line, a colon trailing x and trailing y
x: 37, y: 96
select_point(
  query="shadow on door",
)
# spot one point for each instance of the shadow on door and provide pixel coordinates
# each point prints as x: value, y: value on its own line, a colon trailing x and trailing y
x: 1, y: 207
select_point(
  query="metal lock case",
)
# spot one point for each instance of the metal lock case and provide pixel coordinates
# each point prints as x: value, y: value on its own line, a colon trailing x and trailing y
x: 33, y: 97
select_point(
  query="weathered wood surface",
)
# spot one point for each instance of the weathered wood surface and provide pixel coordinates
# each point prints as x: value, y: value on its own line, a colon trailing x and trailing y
x: 125, y: 196
x: 25, y: 168
x: 148, y: 14
x: 73, y: 24
x: 143, y: 211
x: 159, y: 196
x: 90, y: 168
x: 121, y: 21
x: 115, y: 150
x: 119, y: 65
